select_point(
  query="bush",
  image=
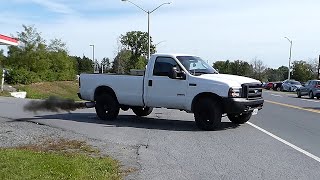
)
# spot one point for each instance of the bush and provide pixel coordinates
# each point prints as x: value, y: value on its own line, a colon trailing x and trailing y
x: 21, y: 76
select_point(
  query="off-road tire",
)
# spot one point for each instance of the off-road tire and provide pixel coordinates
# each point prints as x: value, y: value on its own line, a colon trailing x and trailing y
x: 239, y: 118
x: 207, y: 114
x: 107, y: 107
x: 142, y: 111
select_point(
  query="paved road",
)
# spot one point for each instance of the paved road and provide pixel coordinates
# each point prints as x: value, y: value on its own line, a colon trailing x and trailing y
x: 296, y: 120
x: 169, y: 146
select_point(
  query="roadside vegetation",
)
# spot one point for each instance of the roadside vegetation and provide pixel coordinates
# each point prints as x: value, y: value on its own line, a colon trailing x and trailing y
x: 43, y: 90
x: 5, y: 93
x: 57, y: 159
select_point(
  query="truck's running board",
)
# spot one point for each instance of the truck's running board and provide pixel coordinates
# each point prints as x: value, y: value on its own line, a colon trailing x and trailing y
x: 90, y: 104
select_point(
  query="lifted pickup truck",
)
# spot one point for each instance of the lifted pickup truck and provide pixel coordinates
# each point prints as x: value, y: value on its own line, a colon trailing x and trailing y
x: 175, y: 81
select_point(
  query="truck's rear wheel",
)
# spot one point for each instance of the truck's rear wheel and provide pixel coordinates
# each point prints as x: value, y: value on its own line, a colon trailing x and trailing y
x: 207, y: 114
x: 142, y: 111
x: 239, y: 118
x: 107, y: 107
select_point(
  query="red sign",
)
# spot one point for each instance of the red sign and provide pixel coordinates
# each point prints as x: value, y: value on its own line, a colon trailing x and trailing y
x: 6, y: 40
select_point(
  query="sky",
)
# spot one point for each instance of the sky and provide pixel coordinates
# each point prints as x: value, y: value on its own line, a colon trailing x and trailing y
x: 212, y: 29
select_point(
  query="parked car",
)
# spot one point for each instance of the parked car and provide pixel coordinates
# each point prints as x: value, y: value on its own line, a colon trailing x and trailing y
x: 268, y: 85
x: 311, y: 89
x: 277, y: 86
x: 290, y: 85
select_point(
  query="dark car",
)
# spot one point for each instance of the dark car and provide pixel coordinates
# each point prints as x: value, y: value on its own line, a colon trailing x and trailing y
x: 311, y: 89
x: 277, y: 86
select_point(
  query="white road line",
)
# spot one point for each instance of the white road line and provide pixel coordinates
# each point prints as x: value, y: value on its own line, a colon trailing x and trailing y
x: 286, y: 142
x: 310, y: 100
x: 276, y: 95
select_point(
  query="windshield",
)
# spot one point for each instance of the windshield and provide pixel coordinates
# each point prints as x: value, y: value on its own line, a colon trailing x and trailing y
x: 196, y: 65
x: 295, y: 83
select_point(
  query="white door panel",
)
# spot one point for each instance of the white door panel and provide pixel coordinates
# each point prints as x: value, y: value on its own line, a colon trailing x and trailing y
x: 165, y: 92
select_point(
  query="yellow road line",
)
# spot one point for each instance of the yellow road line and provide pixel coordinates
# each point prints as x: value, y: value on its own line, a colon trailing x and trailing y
x: 292, y: 106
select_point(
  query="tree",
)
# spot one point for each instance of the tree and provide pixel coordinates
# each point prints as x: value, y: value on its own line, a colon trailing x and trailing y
x: 62, y: 66
x: 83, y: 65
x: 34, y: 60
x: 272, y: 75
x: 136, y: 42
x: 2, y: 58
x: 222, y: 66
x: 314, y: 66
x: 283, y: 72
x: 105, y: 65
x: 120, y: 62
x: 258, y: 68
x: 56, y: 45
x: 302, y: 71
x: 237, y: 67
x: 241, y: 68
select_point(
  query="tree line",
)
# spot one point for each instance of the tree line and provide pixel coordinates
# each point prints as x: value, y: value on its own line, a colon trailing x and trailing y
x: 300, y: 70
x: 36, y: 60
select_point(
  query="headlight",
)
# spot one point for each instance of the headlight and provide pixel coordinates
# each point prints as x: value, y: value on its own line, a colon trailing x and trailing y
x: 234, y: 92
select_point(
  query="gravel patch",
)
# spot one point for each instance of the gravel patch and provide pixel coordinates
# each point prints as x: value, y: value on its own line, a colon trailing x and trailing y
x: 17, y: 133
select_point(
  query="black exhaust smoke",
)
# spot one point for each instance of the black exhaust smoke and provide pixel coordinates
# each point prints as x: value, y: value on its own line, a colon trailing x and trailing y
x: 56, y: 104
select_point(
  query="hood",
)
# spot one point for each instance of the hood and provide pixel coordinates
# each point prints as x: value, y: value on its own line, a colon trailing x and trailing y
x: 231, y: 80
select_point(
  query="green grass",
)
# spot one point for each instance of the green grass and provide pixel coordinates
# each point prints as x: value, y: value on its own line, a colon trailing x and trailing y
x: 43, y: 90
x: 56, y: 160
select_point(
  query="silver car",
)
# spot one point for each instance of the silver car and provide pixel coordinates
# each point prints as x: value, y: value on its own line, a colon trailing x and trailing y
x: 290, y: 85
x: 311, y: 89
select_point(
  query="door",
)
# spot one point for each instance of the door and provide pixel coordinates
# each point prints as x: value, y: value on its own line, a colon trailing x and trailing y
x: 162, y: 91
x: 305, y: 89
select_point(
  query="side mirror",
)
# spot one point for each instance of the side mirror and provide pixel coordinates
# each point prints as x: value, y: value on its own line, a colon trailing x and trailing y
x: 173, y: 73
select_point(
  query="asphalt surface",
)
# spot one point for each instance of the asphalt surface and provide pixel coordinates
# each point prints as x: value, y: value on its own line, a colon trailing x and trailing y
x: 167, y: 144
x: 298, y: 124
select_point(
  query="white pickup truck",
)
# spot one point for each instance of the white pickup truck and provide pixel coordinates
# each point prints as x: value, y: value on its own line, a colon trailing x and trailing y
x: 175, y: 81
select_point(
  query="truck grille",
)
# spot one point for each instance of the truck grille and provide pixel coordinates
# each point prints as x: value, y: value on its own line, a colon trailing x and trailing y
x: 251, y: 91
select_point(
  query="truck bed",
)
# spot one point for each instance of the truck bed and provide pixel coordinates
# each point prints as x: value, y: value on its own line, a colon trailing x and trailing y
x: 128, y: 88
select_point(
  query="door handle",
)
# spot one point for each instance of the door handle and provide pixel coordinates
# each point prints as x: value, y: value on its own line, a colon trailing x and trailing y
x: 150, y: 83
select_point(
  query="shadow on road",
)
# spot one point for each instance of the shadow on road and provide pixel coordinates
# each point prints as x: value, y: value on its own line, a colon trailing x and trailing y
x: 131, y: 121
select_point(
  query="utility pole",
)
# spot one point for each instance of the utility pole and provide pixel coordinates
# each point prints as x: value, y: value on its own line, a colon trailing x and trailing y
x: 319, y: 68
x: 94, y: 62
x: 148, y: 12
x: 289, y: 57
x: 2, y: 79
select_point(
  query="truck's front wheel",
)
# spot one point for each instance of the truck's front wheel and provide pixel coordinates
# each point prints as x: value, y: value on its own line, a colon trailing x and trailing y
x: 142, y: 111
x: 207, y: 114
x: 239, y: 118
x: 107, y: 107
